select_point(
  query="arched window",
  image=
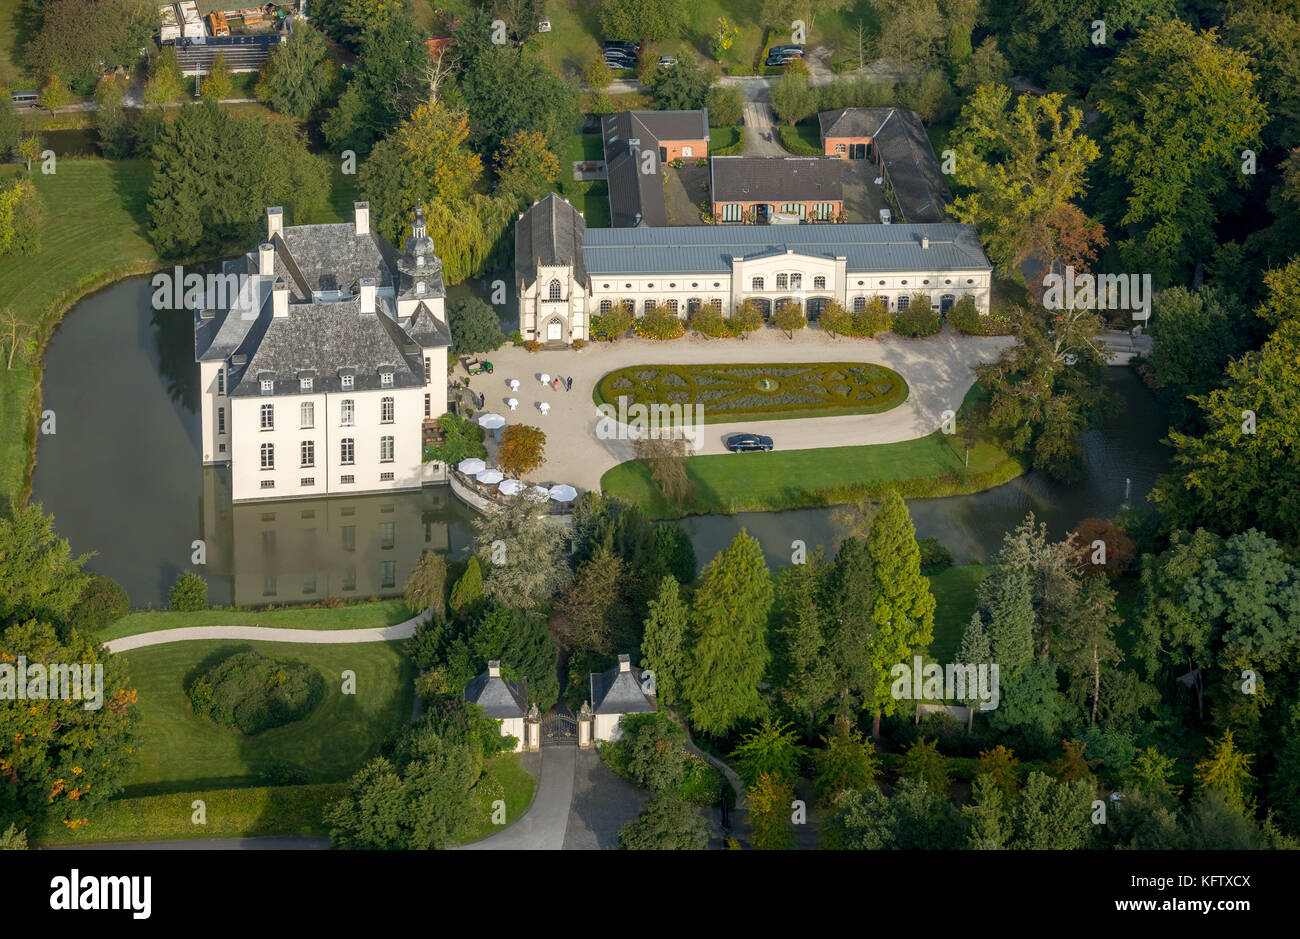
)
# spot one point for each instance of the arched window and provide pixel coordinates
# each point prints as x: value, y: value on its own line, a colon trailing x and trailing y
x: 672, y: 306
x: 819, y: 283
x: 796, y: 281
x: 765, y: 305
x: 782, y: 281
x: 903, y: 301
x: 756, y: 284
x: 716, y: 303
x: 859, y: 304
x: 555, y: 289
x: 692, y: 304
x: 648, y: 306
x: 606, y: 306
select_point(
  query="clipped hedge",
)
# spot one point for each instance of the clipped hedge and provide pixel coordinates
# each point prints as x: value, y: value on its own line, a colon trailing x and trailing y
x: 252, y: 693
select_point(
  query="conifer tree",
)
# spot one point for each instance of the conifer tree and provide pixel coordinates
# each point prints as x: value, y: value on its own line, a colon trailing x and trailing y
x: 663, y: 649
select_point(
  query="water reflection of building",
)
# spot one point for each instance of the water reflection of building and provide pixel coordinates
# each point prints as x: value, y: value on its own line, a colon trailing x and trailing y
x: 305, y: 550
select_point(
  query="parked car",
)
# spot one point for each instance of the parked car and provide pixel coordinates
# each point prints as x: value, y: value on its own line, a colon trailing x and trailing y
x: 615, y: 59
x: 783, y: 59
x: 783, y: 50
x: 622, y: 45
x: 667, y: 61
x: 747, y: 443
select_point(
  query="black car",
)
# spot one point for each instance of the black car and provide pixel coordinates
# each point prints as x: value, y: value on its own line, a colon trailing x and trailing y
x: 747, y: 443
x: 776, y: 61
x: 785, y: 50
x: 622, y: 44
x: 620, y: 60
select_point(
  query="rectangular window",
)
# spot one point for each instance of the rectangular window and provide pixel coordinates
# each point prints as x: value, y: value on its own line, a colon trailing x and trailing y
x: 221, y: 448
x: 796, y: 281
x: 304, y: 384
x: 347, y: 412
x: 388, y: 573
x: 386, y: 379
x: 428, y: 406
x: 268, y: 386
x: 385, y: 449
x: 349, y: 537
x: 819, y: 283
x: 385, y: 477
x: 732, y: 212
x: 221, y: 381
x: 385, y: 410
x: 387, y: 534
x: 221, y: 420
x: 308, y: 453
x: 782, y: 281
x: 268, y: 456
x: 349, y: 578
x: 347, y: 451
x: 859, y: 304
x: 428, y: 370
x: 688, y: 151
x: 347, y: 479
x: 756, y: 283
x: 268, y: 484
x: 268, y: 417
x: 307, y: 481
x: 346, y: 381
x: 903, y: 301
x: 307, y: 415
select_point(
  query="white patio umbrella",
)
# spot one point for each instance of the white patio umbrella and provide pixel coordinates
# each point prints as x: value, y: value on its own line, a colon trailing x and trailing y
x: 563, y: 493
x: 490, y: 477
x: 514, y: 384
x: 511, y: 487
x: 471, y: 466
x: 514, y: 403
x: 491, y: 421
x: 546, y: 379
x: 538, y: 493
x: 544, y: 407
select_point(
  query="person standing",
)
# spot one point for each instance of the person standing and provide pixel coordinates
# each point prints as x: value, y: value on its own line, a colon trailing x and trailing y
x: 569, y: 384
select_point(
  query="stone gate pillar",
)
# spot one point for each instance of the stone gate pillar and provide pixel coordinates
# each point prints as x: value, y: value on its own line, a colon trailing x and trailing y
x: 533, y: 730
x: 585, y: 721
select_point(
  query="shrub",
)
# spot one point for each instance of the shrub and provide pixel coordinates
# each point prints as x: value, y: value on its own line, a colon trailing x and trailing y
x: 709, y: 321
x: 516, y: 337
x: 966, y: 318
x: 789, y: 317
x: 578, y: 344
x: 188, y: 594
x: 934, y: 556
x: 613, y: 324
x: 474, y: 327
x: 660, y: 323
x: 918, y: 319
x: 103, y: 601
x: 872, y: 319
x: 746, y: 318
x: 726, y: 104
x: 532, y: 345
x: 836, y: 320
x: 253, y: 693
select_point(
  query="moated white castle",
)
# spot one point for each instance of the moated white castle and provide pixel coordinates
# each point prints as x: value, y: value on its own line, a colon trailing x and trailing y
x: 317, y: 376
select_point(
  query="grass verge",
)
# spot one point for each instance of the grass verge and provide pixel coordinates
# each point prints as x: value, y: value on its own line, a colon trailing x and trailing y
x: 954, y: 595
x: 379, y: 613
x: 503, y: 778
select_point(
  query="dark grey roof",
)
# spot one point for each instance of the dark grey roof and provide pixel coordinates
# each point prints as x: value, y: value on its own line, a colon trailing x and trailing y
x: 776, y: 179
x: 220, y: 333
x: 427, y: 329
x: 904, y: 150
x: 635, y: 198
x: 710, y: 248
x: 618, y: 692
x: 326, y: 337
x: 333, y: 257
x: 499, y: 698
x: 650, y: 127
x: 550, y: 232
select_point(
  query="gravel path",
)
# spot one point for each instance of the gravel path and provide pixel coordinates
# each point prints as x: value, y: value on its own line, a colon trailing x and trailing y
x: 264, y: 634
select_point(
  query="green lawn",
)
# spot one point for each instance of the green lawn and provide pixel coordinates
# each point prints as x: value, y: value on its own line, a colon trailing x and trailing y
x: 726, y: 141
x: 12, y: 74
x: 358, y: 616
x: 788, y: 479
x: 179, y: 752
x: 954, y: 595
x: 589, y: 198
x: 230, y: 813
x: 759, y: 392
x: 801, y: 139
x: 504, y: 779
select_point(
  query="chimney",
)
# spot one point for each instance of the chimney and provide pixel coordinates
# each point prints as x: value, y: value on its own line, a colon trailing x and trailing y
x: 925, y: 243
x: 494, y: 669
x: 266, y: 259
x: 363, y: 217
x: 274, y: 222
x: 280, y: 299
x: 625, y: 663
x: 367, y: 295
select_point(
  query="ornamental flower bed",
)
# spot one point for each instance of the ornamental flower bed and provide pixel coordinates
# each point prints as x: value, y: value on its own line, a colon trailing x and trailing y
x: 728, y: 392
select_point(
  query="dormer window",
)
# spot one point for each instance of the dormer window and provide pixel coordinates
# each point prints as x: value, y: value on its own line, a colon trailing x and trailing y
x: 304, y: 385
x: 347, y: 381
x: 386, y: 379
x: 419, y: 260
x: 268, y: 386
x: 419, y: 288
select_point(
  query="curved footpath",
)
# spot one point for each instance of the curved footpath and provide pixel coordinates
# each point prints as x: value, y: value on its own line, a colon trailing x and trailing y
x: 160, y: 637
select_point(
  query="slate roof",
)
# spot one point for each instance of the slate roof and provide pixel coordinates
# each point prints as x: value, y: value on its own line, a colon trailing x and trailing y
x: 905, y: 151
x: 332, y: 257
x: 708, y: 249
x: 619, y: 692
x: 637, y: 198
x: 776, y: 179
x: 550, y: 232
x: 498, y: 697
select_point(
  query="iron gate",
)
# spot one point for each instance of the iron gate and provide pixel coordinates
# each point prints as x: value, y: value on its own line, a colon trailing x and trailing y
x: 559, y: 728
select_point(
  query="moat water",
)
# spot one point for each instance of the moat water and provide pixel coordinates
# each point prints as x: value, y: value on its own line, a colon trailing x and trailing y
x: 123, y: 478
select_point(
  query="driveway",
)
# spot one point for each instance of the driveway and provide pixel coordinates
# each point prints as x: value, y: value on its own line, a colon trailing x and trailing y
x: 543, y: 826
x: 265, y: 634
x: 938, y: 372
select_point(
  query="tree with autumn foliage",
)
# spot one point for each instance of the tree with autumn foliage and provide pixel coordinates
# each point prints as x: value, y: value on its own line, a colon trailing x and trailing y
x: 522, y: 450
x: 770, y: 825
x: 526, y: 168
